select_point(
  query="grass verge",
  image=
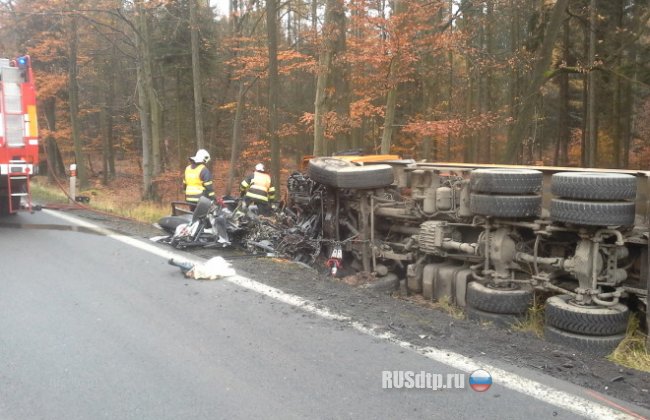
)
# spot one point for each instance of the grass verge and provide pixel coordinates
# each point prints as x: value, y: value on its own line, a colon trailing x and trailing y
x: 632, y: 351
x: 443, y: 304
x: 103, y: 200
x: 534, y: 321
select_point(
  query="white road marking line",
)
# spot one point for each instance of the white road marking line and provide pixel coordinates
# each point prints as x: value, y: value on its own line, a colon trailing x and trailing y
x: 572, y: 403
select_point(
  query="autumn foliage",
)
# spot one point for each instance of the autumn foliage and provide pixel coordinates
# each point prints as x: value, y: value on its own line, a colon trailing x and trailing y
x: 458, y: 73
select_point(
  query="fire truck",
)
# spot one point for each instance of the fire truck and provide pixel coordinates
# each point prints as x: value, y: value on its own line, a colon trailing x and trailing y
x: 18, y: 133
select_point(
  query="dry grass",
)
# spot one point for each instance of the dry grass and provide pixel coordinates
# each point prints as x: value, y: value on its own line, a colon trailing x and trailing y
x: 119, y: 202
x: 444, y: 304
x: 632, y: 352
x: 144, y: 211
x: 46, y: 193
x: 534, y: 322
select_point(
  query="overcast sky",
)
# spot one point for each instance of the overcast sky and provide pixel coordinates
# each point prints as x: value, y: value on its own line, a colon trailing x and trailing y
x: 221, y: 5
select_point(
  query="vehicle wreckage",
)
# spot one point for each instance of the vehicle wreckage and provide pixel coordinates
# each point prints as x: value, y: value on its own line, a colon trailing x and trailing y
x: 487, y: 237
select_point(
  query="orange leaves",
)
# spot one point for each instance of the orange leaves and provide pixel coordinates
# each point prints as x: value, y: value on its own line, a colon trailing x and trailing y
x: 453, y: 126
x: 251, y: 59
x: 364, y: 109
x: 50, y: 85
x: 334, y: 123
x: 292, y: 61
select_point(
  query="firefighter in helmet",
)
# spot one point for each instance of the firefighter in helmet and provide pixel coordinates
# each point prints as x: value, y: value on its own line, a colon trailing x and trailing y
x: 257, y: 189
x: 198, y: 179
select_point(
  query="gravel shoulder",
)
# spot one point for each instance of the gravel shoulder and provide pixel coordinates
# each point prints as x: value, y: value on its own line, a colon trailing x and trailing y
x: 420, y: 324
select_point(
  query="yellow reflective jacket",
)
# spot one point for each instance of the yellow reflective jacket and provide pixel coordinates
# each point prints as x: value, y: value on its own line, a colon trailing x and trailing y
x: 198, y: 182
x: 258, y: 187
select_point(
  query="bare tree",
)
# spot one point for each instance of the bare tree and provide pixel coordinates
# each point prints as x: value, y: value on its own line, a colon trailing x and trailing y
x: 196, y: 76
x: 274, y: 87
x: 73, y: 89
x: 333, y: 8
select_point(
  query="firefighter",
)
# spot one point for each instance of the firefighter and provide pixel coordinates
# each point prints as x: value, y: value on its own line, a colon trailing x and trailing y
x: 257, y: 189
x: 198, y: 179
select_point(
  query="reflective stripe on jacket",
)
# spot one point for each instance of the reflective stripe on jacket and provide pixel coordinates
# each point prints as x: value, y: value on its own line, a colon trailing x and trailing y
x: 258, y: 187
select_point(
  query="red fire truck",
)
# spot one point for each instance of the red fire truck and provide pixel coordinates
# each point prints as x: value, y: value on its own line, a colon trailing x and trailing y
x: 18, y: 133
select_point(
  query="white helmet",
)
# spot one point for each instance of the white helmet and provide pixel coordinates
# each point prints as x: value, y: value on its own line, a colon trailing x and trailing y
x: 259, y: 167
x: 202, y: 156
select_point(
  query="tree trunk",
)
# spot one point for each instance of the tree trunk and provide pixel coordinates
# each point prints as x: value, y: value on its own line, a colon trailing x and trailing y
x: 592, y: 135
x: 180, y: 140
x: 563, y: 132
x: 154, y: 122
x: 56, y: 168
x: 104, y: 116
x: 73, y: 90
x: 143, y: 106
x: 236, y: 137
x: 542, y: 63
x: 325, y: 59
x: 450, y: 87
x: 341, y: 94
x: 489, y: 81
x: 106, y: 121
x: 391, y: 96
x: 144, y: 102
x: 389, y: 117
x: 514, y: 83
x: 196, y: 76
x: 274, y: 87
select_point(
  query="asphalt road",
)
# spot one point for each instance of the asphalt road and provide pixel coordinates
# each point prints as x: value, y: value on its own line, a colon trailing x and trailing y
x: 91, y: 328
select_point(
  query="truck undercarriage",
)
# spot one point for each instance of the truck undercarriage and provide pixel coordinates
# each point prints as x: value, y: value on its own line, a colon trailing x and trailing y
x: 489, y: 238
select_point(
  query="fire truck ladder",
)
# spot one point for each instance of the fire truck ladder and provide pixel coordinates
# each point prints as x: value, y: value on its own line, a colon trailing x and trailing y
x: 18, y: 182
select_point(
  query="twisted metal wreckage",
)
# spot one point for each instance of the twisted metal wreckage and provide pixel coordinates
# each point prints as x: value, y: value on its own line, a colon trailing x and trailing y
x: 486, y: 237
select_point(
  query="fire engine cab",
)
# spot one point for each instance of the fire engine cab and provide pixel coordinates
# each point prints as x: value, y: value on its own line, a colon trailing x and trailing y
x: 18, y: 133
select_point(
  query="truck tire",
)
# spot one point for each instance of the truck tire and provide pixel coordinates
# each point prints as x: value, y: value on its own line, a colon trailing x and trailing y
x: 517, y: 206
x: 593, y: 213
x: 599, y: 320
x: 506, y: 181
x: 593, y: 186
x: 498, y: 320
x: 343, y: 174
x: 596, y: 345
x: 323, y: 170
x: 498, y: 301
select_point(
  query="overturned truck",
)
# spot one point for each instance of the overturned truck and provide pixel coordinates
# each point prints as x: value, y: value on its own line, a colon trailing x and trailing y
x: 489, y: 237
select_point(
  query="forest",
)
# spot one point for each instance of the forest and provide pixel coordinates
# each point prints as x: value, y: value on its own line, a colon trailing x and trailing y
x: 147, y: 82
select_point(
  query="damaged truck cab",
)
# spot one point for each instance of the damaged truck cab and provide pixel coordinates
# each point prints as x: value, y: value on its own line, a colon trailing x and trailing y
x: 488, y: 237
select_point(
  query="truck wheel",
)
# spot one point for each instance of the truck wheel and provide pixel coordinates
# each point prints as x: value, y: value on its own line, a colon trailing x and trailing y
x: 596, y: 320
x: 498, y: 320
x: 593, y: 186
x: 323, y: 170
x: 518, y: 206
x: 593, y: 213
x: 506, y: 181
x: 342, y: 174
x: 596, y: 345
x: 498, y: 301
